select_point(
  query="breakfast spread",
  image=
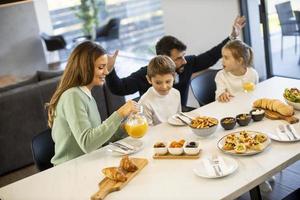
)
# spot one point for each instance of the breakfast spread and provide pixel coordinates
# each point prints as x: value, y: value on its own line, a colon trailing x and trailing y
x: 244, y: 142
x: 274, y: 105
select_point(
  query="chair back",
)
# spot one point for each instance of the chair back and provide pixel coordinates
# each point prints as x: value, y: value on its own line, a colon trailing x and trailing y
x: 110, y: 30
x: 42, y: 147
x: 204, y: 87
x: 286, y: 18
x: 53, y: 43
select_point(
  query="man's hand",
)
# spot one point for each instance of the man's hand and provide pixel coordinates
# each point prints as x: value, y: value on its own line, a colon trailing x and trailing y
x: 238, y: 25
x: 112, y: 60
x: 225, y: 96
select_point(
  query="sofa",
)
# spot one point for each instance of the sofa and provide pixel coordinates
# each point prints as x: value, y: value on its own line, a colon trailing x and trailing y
x: 23, y: 115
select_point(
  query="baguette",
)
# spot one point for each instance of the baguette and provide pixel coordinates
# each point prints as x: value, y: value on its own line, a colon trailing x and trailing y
x: 274, y: 105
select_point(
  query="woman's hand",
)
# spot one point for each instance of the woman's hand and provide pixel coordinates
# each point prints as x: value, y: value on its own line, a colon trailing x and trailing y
x: 129, y: 107
x: 225, y: 97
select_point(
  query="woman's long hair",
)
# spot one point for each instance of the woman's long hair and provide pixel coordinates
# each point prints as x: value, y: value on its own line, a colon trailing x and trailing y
x: 79, y: 72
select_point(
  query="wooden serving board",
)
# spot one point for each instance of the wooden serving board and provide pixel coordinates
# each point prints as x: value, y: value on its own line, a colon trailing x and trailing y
x: 107, y: 185
x: 170, y: 156
x: 275, y: 115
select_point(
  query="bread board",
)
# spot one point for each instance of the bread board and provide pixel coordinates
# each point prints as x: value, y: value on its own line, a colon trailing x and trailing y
x: 107, y: 185
x: 182, y: 156
x: 275, y: 115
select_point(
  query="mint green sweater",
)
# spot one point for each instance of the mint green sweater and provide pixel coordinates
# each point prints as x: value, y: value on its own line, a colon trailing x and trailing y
x: 77, y: 127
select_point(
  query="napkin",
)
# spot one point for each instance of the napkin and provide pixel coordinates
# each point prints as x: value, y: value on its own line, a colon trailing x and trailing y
x: 209, y: 167
x: 225, y: 169
x: 282, y: 136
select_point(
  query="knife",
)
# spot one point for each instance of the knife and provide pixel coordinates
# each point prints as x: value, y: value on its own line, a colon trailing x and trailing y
x: 291, y: 131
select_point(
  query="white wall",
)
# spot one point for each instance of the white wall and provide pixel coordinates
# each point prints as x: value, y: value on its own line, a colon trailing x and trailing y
x: 200, y: 24
x: 21, y: 51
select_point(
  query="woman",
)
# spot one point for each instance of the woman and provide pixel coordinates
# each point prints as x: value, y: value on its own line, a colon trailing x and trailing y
x: 73, y: 114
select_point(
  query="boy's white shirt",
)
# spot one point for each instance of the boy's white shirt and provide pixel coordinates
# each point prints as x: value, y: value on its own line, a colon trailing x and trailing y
x: 158, y: 108
x: 233, y: 84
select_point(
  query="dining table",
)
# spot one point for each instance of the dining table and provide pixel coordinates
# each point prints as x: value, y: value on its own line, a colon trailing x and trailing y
x: 174, y: 178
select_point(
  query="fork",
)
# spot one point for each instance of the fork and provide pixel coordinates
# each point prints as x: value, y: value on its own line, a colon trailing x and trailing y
x: 121, y: 146
x: 185, y: 115
x: 282, y: 130
x: 216, y: 162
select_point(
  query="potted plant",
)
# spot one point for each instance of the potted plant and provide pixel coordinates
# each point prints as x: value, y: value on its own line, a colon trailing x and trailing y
x: 88, y: 12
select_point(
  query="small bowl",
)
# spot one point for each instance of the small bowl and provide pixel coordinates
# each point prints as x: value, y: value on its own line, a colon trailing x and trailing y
x: 228, y: 123
x: 191, y: 150
x: 243, y: 119
x: 257, y: 114
x: 295, y: 105
x: 160, y: 150
x: 175, y: 150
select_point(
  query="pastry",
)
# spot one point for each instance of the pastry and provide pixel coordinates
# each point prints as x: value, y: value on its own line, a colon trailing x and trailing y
x: 255, y: 145
x: 274, y: 105
x: 114, y: 173
x: 240, y: 148
x: 260, y: 138
x: 127, y: 165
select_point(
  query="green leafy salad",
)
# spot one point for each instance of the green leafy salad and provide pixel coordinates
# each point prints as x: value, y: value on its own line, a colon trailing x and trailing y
x: 292, y: 94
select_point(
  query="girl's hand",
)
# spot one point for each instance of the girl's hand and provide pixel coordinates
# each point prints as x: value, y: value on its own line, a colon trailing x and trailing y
x: 128, y: 108
x: 225, y: 97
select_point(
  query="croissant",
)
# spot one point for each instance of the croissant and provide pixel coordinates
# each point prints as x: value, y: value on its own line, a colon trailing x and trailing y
x: 114, y: 173
x: 274, y: 105
x: 127, y: 165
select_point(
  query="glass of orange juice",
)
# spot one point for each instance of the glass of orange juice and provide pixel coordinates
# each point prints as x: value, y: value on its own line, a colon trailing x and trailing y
x: 248, y: 86
x: 136, y: 125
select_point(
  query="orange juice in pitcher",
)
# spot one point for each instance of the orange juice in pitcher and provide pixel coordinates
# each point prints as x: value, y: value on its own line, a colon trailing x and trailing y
x: 136, y: 125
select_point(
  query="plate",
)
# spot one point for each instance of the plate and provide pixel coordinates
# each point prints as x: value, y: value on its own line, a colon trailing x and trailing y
x: 174, y: 121
x: 282, y: 137
x: 249, y: 152
x: 205, y: 169
x: 132, y: 143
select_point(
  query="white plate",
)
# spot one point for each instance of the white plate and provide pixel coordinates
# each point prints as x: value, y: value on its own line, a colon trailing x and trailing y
x: 249, y: 152
x: 205, y: 170
x: 281, y: 137
x: 174, y: 121
x: 135, y: 144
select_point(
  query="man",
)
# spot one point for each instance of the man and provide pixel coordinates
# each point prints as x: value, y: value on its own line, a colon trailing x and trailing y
x: 185, y: 65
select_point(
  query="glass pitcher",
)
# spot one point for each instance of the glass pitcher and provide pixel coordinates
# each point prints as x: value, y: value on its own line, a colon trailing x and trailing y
x: 136, y: 125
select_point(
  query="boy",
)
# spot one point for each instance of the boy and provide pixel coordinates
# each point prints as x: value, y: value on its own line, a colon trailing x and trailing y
x: 161, y: 101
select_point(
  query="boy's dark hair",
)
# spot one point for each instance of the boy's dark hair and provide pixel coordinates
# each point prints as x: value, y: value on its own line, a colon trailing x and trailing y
x: 167, y: 43
x: 160, y: 65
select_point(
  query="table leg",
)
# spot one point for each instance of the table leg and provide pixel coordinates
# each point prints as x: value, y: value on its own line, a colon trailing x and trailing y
x: 255, y: 193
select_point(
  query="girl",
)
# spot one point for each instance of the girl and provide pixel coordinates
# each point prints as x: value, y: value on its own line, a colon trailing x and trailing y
x: 72, y: 111
x: 237, y: 62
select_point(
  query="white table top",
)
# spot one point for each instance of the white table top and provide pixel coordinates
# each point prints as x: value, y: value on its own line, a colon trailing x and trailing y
x: 171, y: 179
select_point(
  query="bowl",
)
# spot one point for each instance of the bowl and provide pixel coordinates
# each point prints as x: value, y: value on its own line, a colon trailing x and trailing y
x: 295, y: 105
x: 243, y: 119
x: 228, y: 123
x: 204, y: 132
x: 191, y: 149
x: 176, y: 150
x: 204, y: 126
x: 160, y: 148
x: 257, y: 114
